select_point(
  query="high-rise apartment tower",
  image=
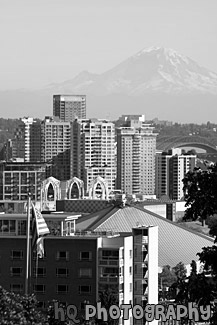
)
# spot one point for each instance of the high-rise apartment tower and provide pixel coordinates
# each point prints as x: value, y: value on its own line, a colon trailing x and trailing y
x: 136, y: 146
x: 93, y: 151
x: 69, y: 107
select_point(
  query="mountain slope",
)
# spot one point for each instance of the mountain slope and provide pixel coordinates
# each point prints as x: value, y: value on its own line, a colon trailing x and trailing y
x: 158, y: 82
x: 151, y: 70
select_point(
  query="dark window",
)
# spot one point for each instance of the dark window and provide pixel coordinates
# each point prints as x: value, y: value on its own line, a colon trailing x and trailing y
x: 85, y: 256
x: 62, y: 255
x: 62, y: 288
x: 39, y: 288
x: 16, y: 271
x: 62, y: 272
x: 17, y: 288
x: 39, y: 272
x: 17, y: 255
x: 84, y: 289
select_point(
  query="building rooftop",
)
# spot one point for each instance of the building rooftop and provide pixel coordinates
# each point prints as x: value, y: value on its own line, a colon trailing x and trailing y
x: 176, y: 243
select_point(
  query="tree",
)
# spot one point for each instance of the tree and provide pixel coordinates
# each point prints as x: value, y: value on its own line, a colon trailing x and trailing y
x: 196, y: 288
x: 23, y: 310
x: 167, y: 277
x: 108, y: 298
x: 200, y: 188
x: 212, y: 224
x: 16, y: 309
x: 180, y: 271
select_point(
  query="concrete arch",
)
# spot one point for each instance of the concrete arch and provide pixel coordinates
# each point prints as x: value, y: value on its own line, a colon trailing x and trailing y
x: 80, y: 186
x: 48, y: 202
x: 93, y: 187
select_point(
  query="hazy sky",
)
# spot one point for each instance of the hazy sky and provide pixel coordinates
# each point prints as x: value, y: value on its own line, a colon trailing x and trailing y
x: 44, y: 41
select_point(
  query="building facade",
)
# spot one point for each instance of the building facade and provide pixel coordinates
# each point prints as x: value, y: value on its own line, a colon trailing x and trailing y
x: 55, y: 147
x: 171, y: 168
x: 93, y: 152
x: 21, y: 141
x: 69, y: 107
x: 136, y: 146
x: 78, y: 266
x: 17, y: 179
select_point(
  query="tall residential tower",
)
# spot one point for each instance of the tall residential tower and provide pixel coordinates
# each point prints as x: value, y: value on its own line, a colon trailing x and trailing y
x: 69, y: 107
x: 136, y: 146
x: 93, y: 151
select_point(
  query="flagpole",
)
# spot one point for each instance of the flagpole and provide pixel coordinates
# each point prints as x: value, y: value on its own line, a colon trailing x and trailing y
x: 27, y: 245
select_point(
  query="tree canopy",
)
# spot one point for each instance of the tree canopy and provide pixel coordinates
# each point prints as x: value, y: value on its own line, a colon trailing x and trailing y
x: 16, y: 309
x: 200, y: 188
x: 23, y: 310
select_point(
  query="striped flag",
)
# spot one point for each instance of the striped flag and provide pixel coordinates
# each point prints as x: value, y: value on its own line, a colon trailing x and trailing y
x: 39, y: 229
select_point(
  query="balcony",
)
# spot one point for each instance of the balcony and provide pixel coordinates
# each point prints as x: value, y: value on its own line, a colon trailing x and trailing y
x: 109, y: 262
x: 108, y: 279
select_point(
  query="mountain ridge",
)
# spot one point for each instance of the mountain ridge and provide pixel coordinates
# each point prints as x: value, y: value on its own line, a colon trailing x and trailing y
x: 155, y: 81
x: 149, y: 70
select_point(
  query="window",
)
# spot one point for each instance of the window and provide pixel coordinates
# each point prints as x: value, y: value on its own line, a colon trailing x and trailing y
x: 17, y: 288
x: 39, y: 288
x: 131, y: 253
x: 62, y: 288
x: 85, y: 256
x: 62, y: 255
x: 17, y: 255
x: 16, y: 271
x: 130, y: 270
x: 7, y: 227
x: 62, y: 272
x: 85, y: 273
x: 21, y: 227
x: 84, y: 290
x: 110, y: 254
x: 39, y: 272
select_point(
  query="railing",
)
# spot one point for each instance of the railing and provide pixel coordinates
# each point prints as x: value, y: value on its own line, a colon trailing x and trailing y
x: 108, y: 279
x: 109, y: 262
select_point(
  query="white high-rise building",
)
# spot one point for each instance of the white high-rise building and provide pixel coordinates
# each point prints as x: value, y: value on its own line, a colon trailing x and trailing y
x: 136, y: 146
x: 93, y: 151
x: 21, y: 141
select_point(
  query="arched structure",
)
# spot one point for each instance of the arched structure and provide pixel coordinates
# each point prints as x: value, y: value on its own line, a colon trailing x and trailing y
x: 50, y: 192
x: 75, y: 188
x: 167, y: 142
x: 98, y: 189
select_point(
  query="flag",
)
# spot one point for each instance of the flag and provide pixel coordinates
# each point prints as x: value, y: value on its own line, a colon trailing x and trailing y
x: 39, y: 229
x: 40, y: 247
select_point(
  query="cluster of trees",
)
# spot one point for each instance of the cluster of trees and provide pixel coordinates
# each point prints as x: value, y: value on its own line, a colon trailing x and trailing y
x: 24, y: 310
